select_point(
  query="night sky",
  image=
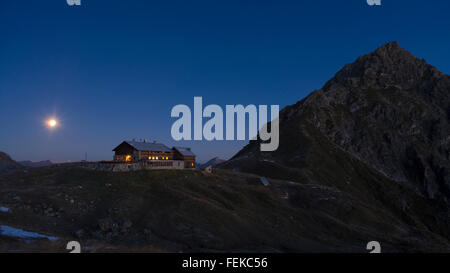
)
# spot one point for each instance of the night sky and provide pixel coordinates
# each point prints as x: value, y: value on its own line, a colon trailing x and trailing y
x: 113, y: 70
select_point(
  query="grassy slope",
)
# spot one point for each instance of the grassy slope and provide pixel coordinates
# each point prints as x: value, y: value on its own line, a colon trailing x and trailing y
x: 373, y: 204
x: 192, y: 211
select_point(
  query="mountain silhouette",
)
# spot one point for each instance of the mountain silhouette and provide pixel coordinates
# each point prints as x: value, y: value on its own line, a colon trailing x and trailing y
x: 379, y: 130
x: 7, y: 164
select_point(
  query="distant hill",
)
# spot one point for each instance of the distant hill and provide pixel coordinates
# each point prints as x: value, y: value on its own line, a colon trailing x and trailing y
x: 212, y: 162
x: 29, y: 163
x: 7, y: 164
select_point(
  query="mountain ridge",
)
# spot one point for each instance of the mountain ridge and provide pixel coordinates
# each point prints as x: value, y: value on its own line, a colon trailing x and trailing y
x: 390, y: 110
x: 29, y: 163
x: 212, y: 162
x: 376, y: 130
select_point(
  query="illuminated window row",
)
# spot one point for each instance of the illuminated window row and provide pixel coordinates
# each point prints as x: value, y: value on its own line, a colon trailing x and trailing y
x: 158, y: 157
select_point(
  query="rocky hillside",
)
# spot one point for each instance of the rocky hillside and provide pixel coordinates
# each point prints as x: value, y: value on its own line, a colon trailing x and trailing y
x: 193, y: 211
x: 7, y: 164
x: 388, y: 109
x: 384, y: 117
x: 392, y: 111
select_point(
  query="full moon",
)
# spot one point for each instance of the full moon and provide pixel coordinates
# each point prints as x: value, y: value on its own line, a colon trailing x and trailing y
x: 52, y: 123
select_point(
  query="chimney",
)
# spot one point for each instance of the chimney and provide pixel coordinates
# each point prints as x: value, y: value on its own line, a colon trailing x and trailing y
x: 145, y: 140
x: 154, y: 141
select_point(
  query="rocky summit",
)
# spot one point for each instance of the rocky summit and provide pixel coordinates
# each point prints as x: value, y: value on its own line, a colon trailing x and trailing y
x: 378, y: 130
x: 392, y: 111
x: 388, y: 110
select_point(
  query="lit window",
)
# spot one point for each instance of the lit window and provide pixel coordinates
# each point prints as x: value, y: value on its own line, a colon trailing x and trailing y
x: 149, y: 157
x: 167, y: 157
x: 192, y: 164
x: 128, y: 158
x: 156, y: 157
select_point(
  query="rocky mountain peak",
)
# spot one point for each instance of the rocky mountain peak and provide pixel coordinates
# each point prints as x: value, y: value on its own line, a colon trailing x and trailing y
x: 393, y: 49
x: 388, y: 109
x: 388, y: 66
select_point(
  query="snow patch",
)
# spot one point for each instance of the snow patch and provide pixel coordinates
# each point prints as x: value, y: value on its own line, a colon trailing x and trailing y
x: 264, y: 181
x: 20, y: 233
x: 267, y: 160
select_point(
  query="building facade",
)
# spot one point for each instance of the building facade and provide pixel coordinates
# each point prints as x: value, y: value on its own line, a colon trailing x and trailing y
x: 155, y: 154
x: 187, y: 155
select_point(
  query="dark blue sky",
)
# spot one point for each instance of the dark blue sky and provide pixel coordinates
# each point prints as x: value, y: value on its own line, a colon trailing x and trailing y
x: 113, y: 70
